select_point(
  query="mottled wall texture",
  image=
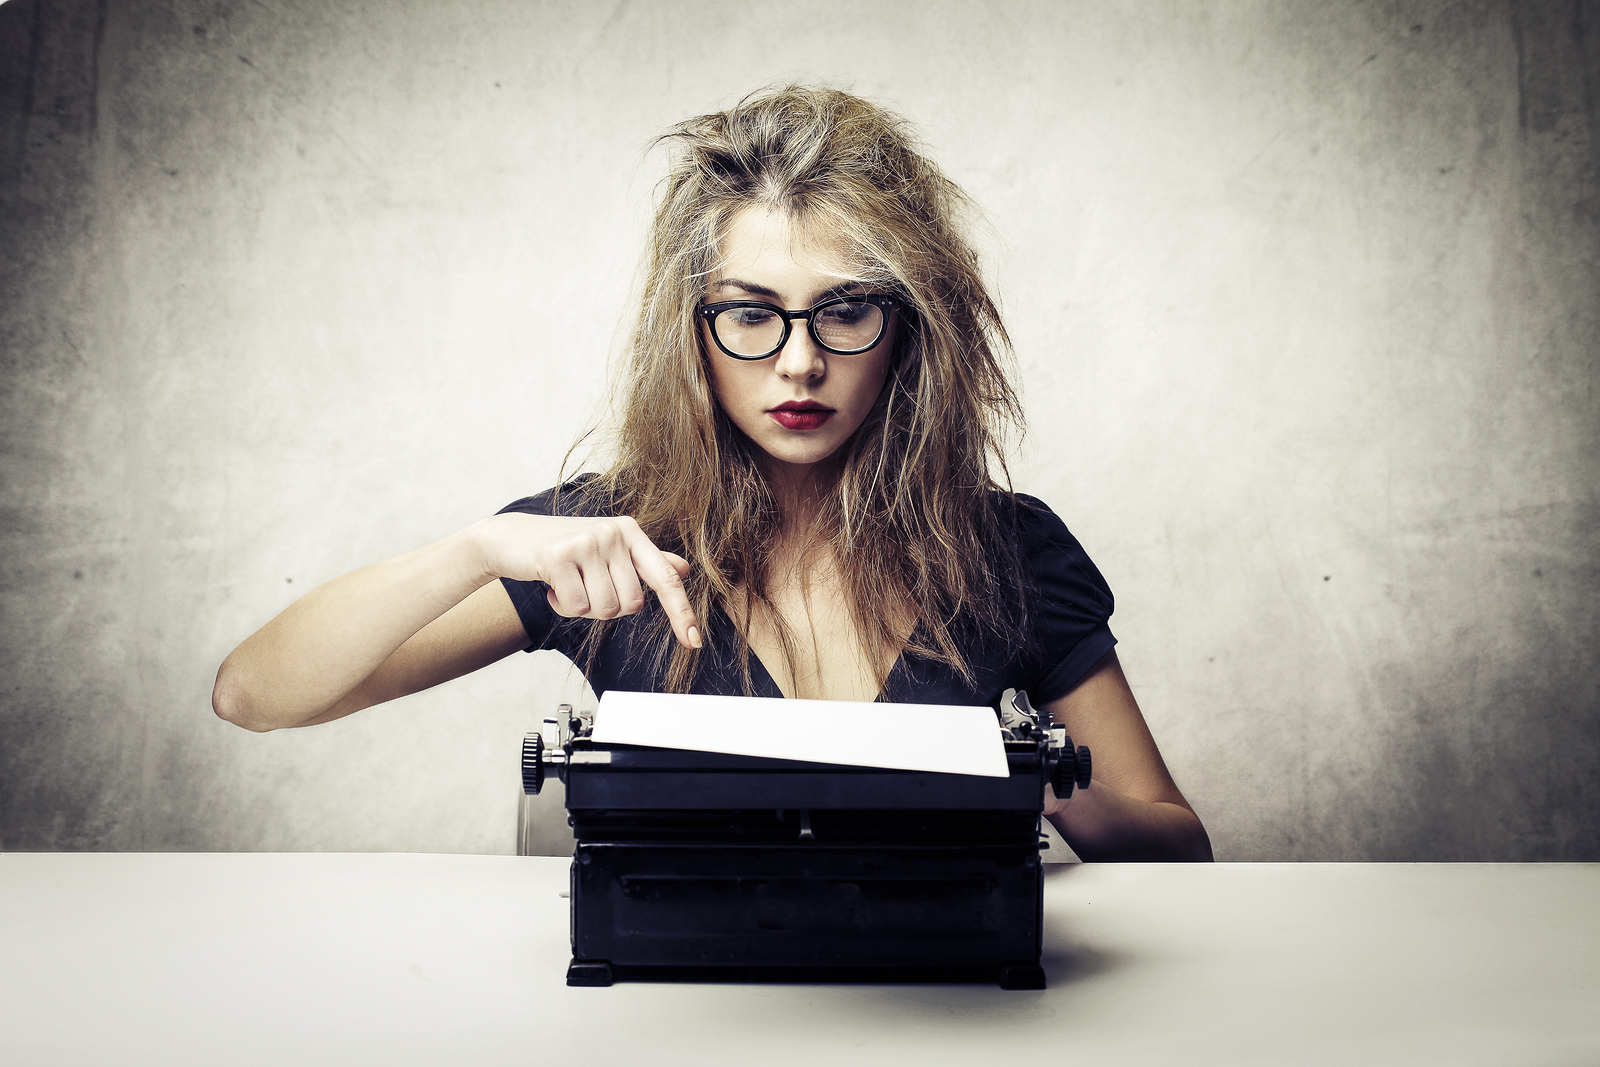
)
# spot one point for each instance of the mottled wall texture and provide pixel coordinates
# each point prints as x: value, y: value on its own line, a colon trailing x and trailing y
x: 1304, y: 297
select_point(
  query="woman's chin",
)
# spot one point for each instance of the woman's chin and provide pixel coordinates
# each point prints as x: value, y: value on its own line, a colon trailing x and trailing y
x: 797, y: 455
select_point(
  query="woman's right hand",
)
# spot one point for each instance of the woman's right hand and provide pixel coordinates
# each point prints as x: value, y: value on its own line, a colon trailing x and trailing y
x: 411, y: 622
x: 596, y: 568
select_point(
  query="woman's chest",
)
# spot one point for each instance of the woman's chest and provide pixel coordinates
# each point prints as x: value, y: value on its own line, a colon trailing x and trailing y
x: 808, y: 642
x: 812, y: 643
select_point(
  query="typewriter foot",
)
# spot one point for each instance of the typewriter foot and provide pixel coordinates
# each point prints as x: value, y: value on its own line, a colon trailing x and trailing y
x: 589, y: 972
x: 1012, y: 976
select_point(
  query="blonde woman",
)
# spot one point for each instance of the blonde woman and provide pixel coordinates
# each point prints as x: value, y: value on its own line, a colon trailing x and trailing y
x: 802, y: 500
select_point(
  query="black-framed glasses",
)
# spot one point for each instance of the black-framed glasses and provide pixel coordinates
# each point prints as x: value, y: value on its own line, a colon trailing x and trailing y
x: 843, y: 325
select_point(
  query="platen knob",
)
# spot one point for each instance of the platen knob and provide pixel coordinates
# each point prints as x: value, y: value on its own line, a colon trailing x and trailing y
x: 532, y: 763
x: 1065, y: 774
x: 1083, y: 766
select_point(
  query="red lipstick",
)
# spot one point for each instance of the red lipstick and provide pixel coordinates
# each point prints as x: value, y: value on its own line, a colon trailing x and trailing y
x: 800, y: 414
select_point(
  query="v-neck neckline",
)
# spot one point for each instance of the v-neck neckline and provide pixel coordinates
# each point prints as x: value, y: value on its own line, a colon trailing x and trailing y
x: 760, y: 673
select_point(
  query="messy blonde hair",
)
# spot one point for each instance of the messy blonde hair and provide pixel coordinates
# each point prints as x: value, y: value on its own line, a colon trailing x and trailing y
x: 910, y: 508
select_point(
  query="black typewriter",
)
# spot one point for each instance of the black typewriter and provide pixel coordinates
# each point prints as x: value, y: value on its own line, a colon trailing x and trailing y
x: 700, y: 865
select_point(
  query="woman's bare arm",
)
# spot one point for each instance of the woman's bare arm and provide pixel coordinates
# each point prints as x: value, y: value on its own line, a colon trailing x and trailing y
x: 419, y: 619
x: 1133, y: 810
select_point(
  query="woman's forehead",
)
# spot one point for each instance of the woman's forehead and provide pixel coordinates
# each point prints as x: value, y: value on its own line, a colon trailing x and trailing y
x: 770, y: 245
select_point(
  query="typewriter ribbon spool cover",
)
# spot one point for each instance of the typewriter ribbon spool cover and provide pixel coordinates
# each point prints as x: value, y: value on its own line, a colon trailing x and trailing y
x: 940, y: 738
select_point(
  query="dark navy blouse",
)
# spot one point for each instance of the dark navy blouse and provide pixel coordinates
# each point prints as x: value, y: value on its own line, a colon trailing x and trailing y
x: 1069, y: 605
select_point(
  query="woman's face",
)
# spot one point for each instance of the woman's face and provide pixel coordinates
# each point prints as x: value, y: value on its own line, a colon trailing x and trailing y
x: 765, y: 258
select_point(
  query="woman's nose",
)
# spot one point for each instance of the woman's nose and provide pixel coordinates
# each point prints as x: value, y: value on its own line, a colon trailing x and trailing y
x: 800, y: 358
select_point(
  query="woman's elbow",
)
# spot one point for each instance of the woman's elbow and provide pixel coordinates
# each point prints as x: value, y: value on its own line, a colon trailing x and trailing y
x: 231, y: 700
x: 1198, y: 845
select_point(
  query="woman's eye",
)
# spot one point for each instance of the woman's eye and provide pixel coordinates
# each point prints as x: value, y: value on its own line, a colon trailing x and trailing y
x: 750, y: 318
x: 847, y: 314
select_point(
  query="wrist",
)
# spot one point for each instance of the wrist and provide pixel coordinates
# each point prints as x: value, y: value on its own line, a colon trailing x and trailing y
x: 474, y: 552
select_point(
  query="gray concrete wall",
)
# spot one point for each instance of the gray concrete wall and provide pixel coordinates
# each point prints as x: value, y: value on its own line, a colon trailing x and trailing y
x: 1304, y: 297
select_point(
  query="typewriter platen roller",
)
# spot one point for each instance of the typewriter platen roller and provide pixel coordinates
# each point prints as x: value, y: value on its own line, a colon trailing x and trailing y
x: 702, y: 865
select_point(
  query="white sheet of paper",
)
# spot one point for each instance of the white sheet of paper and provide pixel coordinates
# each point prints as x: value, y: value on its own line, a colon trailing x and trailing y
x: 912, y: 737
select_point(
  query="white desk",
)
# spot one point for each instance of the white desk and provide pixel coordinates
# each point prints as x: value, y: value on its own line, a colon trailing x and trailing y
x: 113, y: 959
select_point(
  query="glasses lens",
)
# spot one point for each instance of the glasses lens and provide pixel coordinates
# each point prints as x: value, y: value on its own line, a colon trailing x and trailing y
x: 849, y: 326
x: 749, y: 331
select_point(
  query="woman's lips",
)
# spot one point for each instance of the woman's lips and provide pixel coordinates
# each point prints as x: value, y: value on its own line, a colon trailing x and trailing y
x: 806, y: 416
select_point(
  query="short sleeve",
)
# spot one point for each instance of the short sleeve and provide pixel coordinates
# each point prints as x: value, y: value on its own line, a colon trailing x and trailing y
x: 533, y: 608
x: 1070, y: 607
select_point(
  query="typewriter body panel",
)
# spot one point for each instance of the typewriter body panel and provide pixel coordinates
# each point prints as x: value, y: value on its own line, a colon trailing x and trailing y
x: 694, y: 864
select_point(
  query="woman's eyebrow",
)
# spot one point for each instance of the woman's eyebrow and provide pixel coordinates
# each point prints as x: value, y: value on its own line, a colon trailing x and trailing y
x: 749, y: 287
x: 842, y: 289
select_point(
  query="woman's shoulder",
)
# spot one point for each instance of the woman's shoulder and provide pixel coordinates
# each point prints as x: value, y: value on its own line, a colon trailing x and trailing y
x: 580, y: 496
x: 1032, y: 521
x: 1047, y: 548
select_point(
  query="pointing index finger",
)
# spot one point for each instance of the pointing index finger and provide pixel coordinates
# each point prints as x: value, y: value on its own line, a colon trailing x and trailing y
x: 657, y: 570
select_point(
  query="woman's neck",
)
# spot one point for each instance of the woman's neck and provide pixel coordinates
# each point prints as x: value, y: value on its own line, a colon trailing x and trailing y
x: 798, y: 491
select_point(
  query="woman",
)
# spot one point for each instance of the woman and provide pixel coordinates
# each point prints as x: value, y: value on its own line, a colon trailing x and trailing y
x: 814, y: 396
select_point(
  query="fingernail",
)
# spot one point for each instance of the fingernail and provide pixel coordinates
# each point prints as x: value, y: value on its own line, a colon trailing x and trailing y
x: 694, y: 636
